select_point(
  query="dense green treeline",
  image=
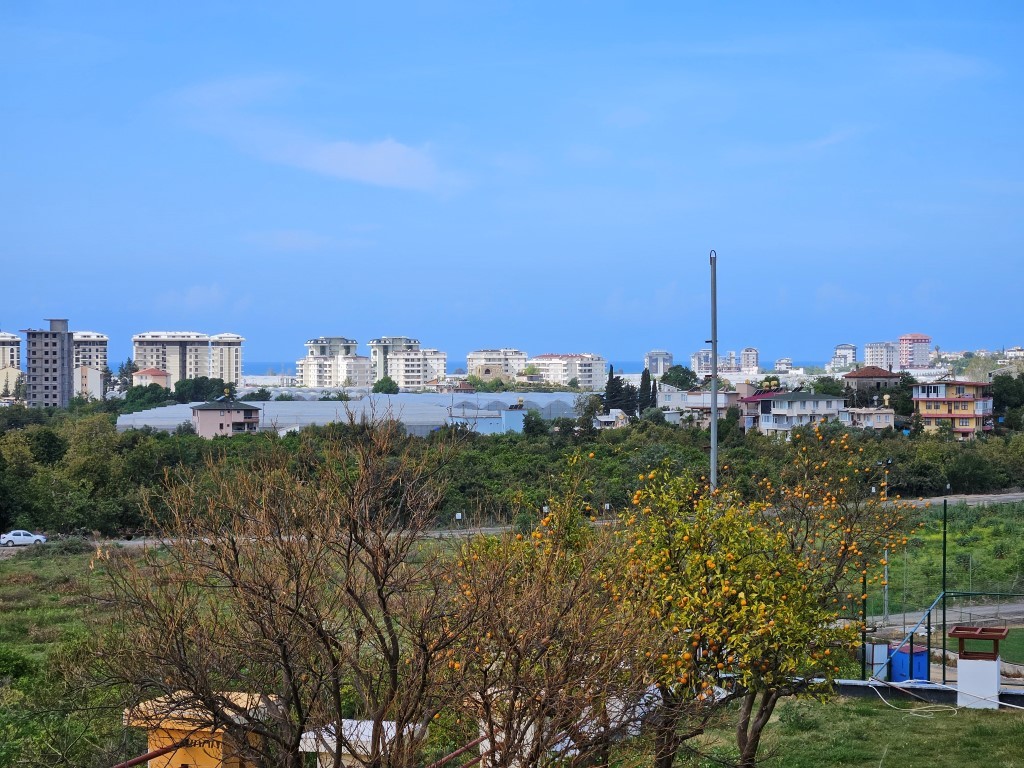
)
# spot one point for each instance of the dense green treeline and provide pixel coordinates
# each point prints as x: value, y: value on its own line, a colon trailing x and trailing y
x: 66, y: 471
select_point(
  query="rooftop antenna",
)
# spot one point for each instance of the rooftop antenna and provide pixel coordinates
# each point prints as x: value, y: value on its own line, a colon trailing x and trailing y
x: 714, y: 371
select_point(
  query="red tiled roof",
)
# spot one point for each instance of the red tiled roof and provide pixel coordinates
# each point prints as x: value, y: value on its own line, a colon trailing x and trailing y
x: 871, y: 372
x: 151, y: 372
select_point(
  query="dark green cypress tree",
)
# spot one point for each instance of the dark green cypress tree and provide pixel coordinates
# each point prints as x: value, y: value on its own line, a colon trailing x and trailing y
x: 644, y: 396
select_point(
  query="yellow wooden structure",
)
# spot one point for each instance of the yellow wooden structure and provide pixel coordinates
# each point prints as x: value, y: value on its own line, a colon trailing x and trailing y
x: 179, y: 719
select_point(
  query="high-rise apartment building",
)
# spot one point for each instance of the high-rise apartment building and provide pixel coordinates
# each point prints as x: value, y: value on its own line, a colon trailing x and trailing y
x: 10, y: 350
x: 414, y: 368
x: 657, y: 361
x: 90, y: 351
x: 183, y: 354
x: 589, y: 371
x: 914, y: 350
x: 882, y: 354
x: 331, y: 361
x: 490, y: 364
x: 226, y: 357
x: 381, y: 349
x: 750, y: 361
x: 49, y: 365
x: 843, y: 356
x: 700, y: 363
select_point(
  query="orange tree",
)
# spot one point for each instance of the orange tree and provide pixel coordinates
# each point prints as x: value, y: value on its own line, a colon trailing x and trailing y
x: 739, y: 614
x: 832, y: 505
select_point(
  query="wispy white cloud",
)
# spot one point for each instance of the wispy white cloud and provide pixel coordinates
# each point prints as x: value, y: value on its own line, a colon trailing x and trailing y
x: 227, y: 108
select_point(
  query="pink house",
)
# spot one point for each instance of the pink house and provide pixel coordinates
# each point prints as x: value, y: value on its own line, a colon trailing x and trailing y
x: 225, y: 417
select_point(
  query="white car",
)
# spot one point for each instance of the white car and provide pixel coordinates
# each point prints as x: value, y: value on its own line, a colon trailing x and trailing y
x: 21, y: 538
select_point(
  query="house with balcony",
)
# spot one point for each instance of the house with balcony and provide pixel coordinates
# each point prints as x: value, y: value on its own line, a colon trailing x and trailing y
x: 868, y: 418
x: 694, y: 406
x: 965, y: 405
x: 224, y: 418
x: 778, y: 413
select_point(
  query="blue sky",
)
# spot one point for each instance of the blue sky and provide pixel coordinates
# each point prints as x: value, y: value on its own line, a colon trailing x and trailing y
x: 549, y: 176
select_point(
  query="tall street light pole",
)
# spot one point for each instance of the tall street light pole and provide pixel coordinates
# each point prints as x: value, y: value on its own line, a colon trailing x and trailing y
x: 714, y: 372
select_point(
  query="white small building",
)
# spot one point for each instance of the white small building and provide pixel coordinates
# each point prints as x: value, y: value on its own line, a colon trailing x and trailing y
x: 88, y: 383
x: 148, y: 376
x: 357, y: 742
x: 867, y: 418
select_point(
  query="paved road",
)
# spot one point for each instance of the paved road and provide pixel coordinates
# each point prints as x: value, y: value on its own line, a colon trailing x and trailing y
x: 969, y: 499
x: 973, y: 500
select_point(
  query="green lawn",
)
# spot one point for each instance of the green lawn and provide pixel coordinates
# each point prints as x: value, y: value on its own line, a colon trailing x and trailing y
x: 866, y: 733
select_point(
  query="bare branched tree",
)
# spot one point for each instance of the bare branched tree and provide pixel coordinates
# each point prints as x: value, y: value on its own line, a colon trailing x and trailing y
x: 309, y: 579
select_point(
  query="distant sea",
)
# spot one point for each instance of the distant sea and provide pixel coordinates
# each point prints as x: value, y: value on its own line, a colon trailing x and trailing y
x: 262, y: 368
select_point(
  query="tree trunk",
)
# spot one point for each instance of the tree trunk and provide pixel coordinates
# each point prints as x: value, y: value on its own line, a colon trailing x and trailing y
x: 749, y: 731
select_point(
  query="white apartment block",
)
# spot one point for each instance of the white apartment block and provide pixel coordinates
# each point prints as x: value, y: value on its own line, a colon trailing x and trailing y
x: 843, y: 356
x: 657, y: 361
x: 700, y: 363
x: 10, y: 350
x: 489, y: 364
x: 590, y: 371
x: 354, y: 371
x: 915, y: 349
x: 90, y: 349
x: 750, y: 361
x: 882, y: 354
x: 226, y: 357
x: 414, y: 368
x: 331, y: 361
x: 381, y: 349
x: 183, y: 354
x: 49, y: 366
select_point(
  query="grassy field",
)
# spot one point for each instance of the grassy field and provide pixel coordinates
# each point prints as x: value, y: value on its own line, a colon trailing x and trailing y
x: 40, y: 603
x: 866, y: 733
